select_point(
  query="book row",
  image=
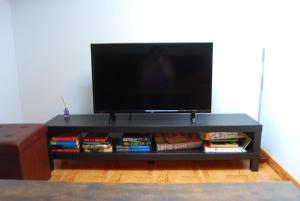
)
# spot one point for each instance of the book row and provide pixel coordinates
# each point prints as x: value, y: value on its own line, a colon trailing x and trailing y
x: 94, y: 142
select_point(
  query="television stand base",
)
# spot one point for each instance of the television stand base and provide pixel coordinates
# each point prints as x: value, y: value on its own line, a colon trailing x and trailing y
x: 112, y: 118
x: 193, y: 117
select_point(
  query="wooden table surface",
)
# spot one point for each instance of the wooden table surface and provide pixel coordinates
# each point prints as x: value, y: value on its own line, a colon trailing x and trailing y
x: 17, y: 190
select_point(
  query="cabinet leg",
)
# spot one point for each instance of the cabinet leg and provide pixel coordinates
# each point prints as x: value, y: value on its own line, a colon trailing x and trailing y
x: 254, y: 164
x: 51, y: 164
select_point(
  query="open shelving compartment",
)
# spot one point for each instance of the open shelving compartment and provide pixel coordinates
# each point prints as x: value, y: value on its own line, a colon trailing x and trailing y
x: 153, y: 123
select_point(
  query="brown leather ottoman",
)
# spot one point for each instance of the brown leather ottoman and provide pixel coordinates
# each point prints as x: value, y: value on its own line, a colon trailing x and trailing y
x: 24, y: 152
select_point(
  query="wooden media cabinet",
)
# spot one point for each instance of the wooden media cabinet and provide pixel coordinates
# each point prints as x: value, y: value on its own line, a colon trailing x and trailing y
x: 159, y: 123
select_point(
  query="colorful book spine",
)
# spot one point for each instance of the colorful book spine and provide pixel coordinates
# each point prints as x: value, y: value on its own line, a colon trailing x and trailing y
x: 132, y: 147
x: 64, y: 146
x: 226, y: 150
x: 136, y: 143
x: 64, y: 138
x: 133, y: 150
x: 178, y: 146
x: 97, y: 146
x: 64, y: 143
x: 223, y: 135
x: 98, y: 151
x: 90, y: 139
x: 65, y: 150
x: 95, y: 143
x: 130, y: 139
x: 136, y: 137
x: 222, y: 146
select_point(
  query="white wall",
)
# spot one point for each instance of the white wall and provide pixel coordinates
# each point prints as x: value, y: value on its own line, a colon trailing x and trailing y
x: 53, y: 54
x: 10, y: 107
x: 280, y: 110
x: 281, y: 98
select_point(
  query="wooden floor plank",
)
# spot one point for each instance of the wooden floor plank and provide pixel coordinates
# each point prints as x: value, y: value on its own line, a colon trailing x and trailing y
x: 163, y: 172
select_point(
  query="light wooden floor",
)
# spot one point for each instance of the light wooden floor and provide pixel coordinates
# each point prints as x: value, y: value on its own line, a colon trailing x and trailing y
x: 161, y: 172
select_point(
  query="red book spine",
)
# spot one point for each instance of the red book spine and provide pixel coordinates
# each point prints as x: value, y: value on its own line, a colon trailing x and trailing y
x: 95, y: 139
x: 64, y: 138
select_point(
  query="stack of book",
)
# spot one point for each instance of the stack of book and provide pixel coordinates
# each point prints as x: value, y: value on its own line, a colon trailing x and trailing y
x: 225, y: 141
x: 177, y: 141
x: 134, y: 143
x: 66, y: 143
x: 97, y: 143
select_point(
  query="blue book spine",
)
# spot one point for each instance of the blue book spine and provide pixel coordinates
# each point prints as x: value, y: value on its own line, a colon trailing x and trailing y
x: 64, y: 146
x: 133, y: 147
x: 136, y: 150
x: 65, y: 143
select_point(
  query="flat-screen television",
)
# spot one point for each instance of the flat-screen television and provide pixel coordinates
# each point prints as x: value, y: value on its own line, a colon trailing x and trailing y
x: 141, y: 77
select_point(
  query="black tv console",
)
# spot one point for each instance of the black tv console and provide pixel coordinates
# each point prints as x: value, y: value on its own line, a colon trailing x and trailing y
x: 152, y: 123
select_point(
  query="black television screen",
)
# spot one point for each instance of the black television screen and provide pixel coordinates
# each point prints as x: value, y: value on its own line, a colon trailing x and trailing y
x: 140, y: 77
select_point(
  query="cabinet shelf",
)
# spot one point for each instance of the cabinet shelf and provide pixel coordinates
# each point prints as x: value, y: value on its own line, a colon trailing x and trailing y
x: 166, y: 155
